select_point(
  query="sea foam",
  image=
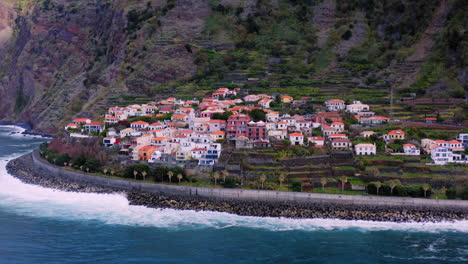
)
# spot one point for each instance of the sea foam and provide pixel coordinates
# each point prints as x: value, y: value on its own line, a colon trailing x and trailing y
x: 114, y: 209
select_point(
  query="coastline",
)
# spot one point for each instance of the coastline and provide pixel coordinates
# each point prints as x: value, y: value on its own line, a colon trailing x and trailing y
x: 25, y: 169
x: 27, y: 129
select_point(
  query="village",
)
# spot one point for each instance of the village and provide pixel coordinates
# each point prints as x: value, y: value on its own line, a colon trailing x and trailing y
x: 194, y: 130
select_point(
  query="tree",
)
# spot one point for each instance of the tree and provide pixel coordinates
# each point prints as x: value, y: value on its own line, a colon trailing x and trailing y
x: 443, y: 190
x: 257, y: 115
x: 144, y: 173
x: 373, y: 171
x: 105, y: 171
x: 281, y: 179
x: 262, y: 179
x: 135, y: 173
x: 179, y: 177
x: 343, y: 180
x: 324, y: 182
x: 169, y: 175
x: 225, y: 174
x: 392, y: 184
x: 216, y: 176
x: 377, y: 185
x: 425, y: 188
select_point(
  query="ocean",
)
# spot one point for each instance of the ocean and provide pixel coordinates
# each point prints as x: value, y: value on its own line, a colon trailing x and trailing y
x: 39, y: 225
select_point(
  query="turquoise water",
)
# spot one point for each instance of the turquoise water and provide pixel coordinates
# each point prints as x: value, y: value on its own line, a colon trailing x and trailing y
x: 39, y: 225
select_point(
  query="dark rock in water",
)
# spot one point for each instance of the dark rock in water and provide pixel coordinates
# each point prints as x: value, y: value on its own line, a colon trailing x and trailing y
x: 24, y: 169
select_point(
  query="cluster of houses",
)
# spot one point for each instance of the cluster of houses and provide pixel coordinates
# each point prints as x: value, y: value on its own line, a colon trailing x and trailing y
x: 192, y: 130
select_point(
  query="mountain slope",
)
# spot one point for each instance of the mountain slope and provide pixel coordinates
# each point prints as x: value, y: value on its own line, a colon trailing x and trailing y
x: 61, y: 58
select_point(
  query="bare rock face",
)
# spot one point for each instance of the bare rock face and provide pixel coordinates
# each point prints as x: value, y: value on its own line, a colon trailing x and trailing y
x: 68, y: 55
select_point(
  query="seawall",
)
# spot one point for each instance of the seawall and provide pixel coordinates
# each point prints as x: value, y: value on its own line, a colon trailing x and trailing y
x: 242, y: 195
x: 31, y: 168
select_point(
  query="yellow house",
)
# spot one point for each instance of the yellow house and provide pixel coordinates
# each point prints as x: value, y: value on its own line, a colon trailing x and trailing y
x: 286, y: 99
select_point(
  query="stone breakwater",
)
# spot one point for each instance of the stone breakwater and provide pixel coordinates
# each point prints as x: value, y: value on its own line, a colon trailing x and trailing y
x: 25, y: 169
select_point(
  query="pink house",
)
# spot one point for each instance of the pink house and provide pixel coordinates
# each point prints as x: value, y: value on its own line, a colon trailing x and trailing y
x: 237, y: 126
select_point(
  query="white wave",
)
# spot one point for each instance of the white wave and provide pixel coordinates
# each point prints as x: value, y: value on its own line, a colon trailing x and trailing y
x: 35, y: 201
x: 11, y: 130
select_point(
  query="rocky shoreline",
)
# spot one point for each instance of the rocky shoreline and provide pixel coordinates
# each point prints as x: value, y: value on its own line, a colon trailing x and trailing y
x: 24, y: 169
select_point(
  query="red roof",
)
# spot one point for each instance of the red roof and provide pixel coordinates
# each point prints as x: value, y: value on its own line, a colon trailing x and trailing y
x: 140, y: 123
x: 338, y: 123
x: 94, y: 124
x: 396, y: 132
x: 199, y: 149
x: 336, y: 101
x: 337, y: 135
x: 80, y: 120
x: 296, y: 135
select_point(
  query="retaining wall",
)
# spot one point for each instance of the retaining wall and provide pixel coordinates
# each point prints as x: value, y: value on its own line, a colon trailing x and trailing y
x: 238, y: 194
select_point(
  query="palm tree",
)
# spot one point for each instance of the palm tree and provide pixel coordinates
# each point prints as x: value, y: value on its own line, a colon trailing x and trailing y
x: 135, y: 173
x: 392, y: 184
x: 216, y: 176
x: 112, y: 172
x: 87, y: 170
x: 377, y: 185
x: 343, y: 180
x: 105, y: 171
x: 324, y: 182
x: 425, y: 188
x: 281, y: 179
x: 144, y: 173
x: 179, y: 177
x: 169, y: 175
x: 225, y: 174
x: 65, y: 164
x: 262, y: 179
x: 443, y: 190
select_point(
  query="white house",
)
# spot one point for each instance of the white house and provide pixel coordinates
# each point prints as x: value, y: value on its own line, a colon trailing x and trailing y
x: 338, y: 126
x: 341, y: 143
x: 318, y: 141
x: 411, y: 150
x: 335, y: 105
x: 265, y: 103
x: 130, y: 132
x: 441, y: 155
x: 296, y: 139
x: 365, y: 149
x: 357, y: 107
x: 139, y: 125
x: 463, y: 138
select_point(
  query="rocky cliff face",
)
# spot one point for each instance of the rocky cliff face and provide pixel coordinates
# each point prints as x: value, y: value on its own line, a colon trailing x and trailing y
x: 66, y: 56
x: 62, y: 58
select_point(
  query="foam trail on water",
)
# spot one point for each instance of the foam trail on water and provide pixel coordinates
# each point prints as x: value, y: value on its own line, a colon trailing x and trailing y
x: 35, y: 201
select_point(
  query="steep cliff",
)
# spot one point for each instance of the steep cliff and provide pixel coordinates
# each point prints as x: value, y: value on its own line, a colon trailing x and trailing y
x: 61, y: 58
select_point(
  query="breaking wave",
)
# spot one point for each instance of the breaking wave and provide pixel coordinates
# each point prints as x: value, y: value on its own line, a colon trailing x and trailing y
x: 35, y: 201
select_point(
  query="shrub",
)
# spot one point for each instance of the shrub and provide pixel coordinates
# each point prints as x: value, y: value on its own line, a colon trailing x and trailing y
x: 231, y: 182
x: 296, y: 185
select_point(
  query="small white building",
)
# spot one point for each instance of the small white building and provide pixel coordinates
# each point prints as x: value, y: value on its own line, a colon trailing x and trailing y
x: 296, y: 139
x: 357, y: 107
x: 335, y: 105
x: 441, y: 155
x: 411, y: 150
x: 365, y: 149
x: 139, y: 125
x: 318, y: 141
